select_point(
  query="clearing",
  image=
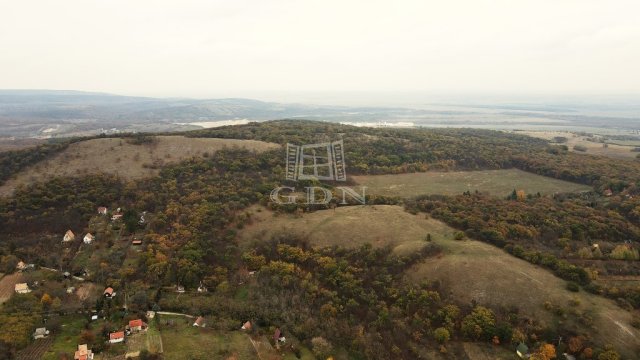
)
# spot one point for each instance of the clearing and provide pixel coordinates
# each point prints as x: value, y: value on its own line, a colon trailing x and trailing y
x: 495, y: 182
x: 379, y: 225
x: 467, y: 269
x: 124, y: 159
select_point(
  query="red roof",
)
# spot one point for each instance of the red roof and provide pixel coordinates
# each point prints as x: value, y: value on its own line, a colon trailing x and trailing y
x: 116, y: 335
x: 135, y: 323
x: 108, y: 290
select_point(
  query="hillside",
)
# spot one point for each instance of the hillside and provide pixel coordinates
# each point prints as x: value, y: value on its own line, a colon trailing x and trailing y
x: 124, y: 158
x: 468, y: 270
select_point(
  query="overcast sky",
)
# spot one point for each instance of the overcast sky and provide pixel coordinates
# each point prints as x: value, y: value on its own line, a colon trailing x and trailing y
x: 243, y: 47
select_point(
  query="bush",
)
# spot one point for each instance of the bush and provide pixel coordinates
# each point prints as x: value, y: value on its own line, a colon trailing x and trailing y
x: 441, y: 335
x: 571, y: 286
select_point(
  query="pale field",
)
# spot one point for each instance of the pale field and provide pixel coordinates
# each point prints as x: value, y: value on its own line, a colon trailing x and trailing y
x: 119, y: 157
x: 613, y: 150
x: 494, y: 182
x: 468, y: 270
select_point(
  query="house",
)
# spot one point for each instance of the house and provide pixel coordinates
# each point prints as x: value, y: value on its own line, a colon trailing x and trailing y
x: 102, y: 210
x: 522, y: 350
x: 40, y: 333
x: 71, y: 290
x: 116, y: 217
x: 246, y: 326
x: 109, y: 293
x: 69, y: 236
x: 83, y: 353
x: 608, y: 192
x: 180, y: 289
x: 137, y: 325
x: 21, y: 266
x: 116, y: 337
x: 202, y: 288
x: 151, y: 314
x: 200, y: 322
x: 136, y: 242
x: 88, y: 239
x: 22, y: 288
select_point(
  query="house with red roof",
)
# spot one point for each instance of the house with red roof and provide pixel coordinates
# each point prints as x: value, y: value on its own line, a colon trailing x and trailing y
x: 109, y: 293
x: 83, y: 353
x: 137, y: 325
x: 116, y: 337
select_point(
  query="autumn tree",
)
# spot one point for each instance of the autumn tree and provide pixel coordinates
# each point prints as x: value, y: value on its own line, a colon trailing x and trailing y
x: 480, y: 324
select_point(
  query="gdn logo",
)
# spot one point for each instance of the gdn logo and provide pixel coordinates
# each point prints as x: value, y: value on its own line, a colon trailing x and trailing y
x: 323, y: 161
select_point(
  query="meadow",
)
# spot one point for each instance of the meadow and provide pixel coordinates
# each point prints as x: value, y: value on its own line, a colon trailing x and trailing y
x: 494, y: 182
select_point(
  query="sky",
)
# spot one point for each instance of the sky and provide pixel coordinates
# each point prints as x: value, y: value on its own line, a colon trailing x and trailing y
x: 213, y: 48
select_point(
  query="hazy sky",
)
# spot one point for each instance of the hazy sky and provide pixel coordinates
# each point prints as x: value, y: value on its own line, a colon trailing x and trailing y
x: 244, y: 47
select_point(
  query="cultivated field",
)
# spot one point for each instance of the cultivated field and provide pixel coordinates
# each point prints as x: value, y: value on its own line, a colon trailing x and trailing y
x: 616, y: 148
x: 35, y: 350
x: 9, y: 144
x: 495, y: 182
x: 8, y: 286
x: 468, y: 270
x: 118, y: 156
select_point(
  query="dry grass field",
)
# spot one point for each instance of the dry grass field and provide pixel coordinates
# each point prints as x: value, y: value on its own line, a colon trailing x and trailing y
x: 619, y: 149
x: 468, y: 269
x: 379, y: 225
x: 118, y: 156
x: 495, y: 182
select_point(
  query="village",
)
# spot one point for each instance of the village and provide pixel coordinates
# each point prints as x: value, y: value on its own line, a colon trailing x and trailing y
x: 86, y: 314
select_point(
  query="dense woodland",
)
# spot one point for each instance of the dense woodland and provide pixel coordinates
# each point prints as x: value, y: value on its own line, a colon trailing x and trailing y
x: 334, y: 298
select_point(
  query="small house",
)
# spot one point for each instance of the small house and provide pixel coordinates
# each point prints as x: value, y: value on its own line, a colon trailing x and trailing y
x: 116, y: 337
x: 136, y: 242
x: 199, y: 322
x: 246, y: 326
x: 71, y: 290
x: 180, y: 289
x: 22, y: 288
x: 102, y: 210
x: 116, y: 217
x: 202, y: 288
x: 88, y: 239
x: 68, y: 236
x: 109, y: 293
x: 522, y: 350
x: 21, y: 266
x: 608, y: 192
x: 137, y: 325
x: 151, y: 314
x: 40, y: 333
x: 83, y: 353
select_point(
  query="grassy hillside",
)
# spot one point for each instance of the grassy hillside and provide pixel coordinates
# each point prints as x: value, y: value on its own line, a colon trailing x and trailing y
x: 496, y: 182
x: 468, y: 270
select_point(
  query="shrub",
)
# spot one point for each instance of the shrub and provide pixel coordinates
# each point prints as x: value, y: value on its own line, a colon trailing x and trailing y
x: 441, y: 335
x: 571, y: 286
